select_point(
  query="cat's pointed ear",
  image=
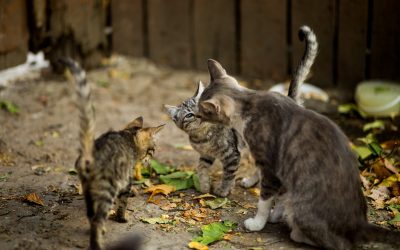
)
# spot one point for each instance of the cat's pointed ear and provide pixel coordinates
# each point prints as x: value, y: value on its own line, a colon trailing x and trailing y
x: 215, y: 69
x: 155, y: 130
x: 135, y: 124
x: 199, y: 91
x: 211, y: 106
x: 171, y: 110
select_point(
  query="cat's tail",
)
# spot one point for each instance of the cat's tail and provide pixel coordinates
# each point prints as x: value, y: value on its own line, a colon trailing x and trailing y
x: 84, y: 104
x: 374, y: 233
x: 302, y: 70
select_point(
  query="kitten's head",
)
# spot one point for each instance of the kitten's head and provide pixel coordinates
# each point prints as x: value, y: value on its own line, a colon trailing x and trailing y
x: 184, y: 114
x: 144, y: 139
x: 215, y: 104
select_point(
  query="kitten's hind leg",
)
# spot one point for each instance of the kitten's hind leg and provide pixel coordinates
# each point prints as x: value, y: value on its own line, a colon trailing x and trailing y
x: 230, y: 164
x: 122, y: 203
x: 97, y: 229
x: 202, y: 170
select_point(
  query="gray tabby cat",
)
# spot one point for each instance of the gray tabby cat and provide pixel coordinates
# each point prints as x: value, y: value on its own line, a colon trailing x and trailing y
x: 215, y: 141
x: 105, y: 165
x: 303, y: 157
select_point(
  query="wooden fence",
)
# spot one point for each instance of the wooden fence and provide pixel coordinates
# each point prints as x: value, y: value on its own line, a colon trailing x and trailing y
x: 359, y: 39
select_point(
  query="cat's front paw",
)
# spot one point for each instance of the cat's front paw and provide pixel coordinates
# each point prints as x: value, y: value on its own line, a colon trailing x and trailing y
x: 252, y: 224
x: 221, y: 191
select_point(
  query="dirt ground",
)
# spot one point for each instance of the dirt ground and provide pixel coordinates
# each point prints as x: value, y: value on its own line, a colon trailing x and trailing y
x: 41, y: 142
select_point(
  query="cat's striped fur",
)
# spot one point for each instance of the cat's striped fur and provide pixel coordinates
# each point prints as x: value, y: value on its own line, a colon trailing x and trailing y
x: 211, y: 141
x: 105, y: 165
x: 215, y: 141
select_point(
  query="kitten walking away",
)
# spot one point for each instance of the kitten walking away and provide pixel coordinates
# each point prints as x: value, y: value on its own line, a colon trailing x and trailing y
x: 105, y: 165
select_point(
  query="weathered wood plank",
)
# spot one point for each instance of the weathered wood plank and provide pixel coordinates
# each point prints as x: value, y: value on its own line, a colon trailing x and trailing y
x: 127, y: 26
x: 352, y: 42
x: 169, y: 24
x: 13, y: 33
x: 77, y: 30
x: 385, y: 44
x: 263, y: 39
x: 214, y: 33
x: 320, y: 16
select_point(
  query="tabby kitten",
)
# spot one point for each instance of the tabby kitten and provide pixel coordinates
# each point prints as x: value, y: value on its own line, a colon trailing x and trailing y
x: 212, y: 141
x: 303, y: 157
x: 105, y: 164
x: 215, y: 141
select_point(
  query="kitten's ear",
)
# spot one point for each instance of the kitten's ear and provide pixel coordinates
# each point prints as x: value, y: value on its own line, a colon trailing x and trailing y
x: 211, y: 106
x: 171, y: 110
x: 137, y: 123
x: 155, y: 130
x: 199, y: 91
x: 215, y: 69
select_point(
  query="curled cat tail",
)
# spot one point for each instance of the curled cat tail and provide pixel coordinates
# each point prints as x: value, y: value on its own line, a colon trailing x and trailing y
x: 84, y: 103
x: 374, y: 233
x: 302, y: 70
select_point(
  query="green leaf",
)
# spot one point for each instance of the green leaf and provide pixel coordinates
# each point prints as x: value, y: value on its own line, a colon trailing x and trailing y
x: 349, y: 108
x: 39, y: 143
x: 395, y: 219
x: 375, y: 148
x: 378, y: 124
x: 9, y: 107
x: 196, y: 182
x: 215, y: 231
x: 362, y: 152
x: 156, y: 220
x: 4, y: 177
x: 180, y: 180
x: 103, y: 84
x: 216, y: 203
x: 161, y: 168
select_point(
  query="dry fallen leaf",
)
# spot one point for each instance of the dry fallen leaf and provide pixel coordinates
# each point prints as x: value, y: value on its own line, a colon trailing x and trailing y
x: 203, y: 196
x: 159, y: 189
x: 255, y: 191
x: 227, y: 237
x: 169, y: 206
x: 197, y: 246
x: 379, y: 195
x: 34, y: 198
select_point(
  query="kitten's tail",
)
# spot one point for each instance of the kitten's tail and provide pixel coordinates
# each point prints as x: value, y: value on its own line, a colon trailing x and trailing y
x: 302, y: 70
x: 84, y: 103
x: 374, y: 233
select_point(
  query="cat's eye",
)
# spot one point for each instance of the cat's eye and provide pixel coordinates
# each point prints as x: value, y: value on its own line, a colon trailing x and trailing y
x: 190, y: 115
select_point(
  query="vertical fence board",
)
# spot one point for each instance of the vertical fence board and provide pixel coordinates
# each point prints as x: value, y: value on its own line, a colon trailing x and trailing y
x: 13, y: 33
x: 385, y: 44
x: 127, y: 25
x: 214, y: 33
x: 320, y: 16
x: 168, y: 29
x: 352, y: 46
x: 263, y: 39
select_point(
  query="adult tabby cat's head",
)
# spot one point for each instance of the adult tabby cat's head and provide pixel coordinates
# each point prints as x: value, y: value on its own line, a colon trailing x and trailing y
x: 184, y: 114
x: 144, y: 139
x: 215, y: 105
